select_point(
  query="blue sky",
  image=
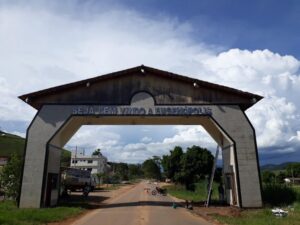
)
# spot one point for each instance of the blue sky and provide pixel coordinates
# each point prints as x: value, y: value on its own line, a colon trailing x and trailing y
x: 249, y: 45
x: 251, y: 25
x: 241, y: 24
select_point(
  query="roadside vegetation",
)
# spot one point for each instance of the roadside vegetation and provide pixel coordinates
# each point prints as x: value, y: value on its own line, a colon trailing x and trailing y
x: 121, y: 172
x: 11, y: 215
x: 275, y: 193
x: 263, y: 217
x: 10, y: 176
x: 182, y: 168
x: 187, y: 168
x: 199, y: 195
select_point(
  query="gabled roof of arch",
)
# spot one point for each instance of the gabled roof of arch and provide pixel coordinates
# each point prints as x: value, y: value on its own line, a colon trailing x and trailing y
x: 166, y: 87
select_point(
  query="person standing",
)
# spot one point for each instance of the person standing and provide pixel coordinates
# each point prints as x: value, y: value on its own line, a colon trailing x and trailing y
x: 86, y: 190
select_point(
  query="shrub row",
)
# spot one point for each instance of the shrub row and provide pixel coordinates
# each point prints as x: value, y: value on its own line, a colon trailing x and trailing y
x: 279, y: 194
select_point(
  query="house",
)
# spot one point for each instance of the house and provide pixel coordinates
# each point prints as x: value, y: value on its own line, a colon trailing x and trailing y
x: 95, y: 163
x: 292, y: 180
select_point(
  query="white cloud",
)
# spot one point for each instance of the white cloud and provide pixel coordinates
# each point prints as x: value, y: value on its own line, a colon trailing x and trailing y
x: 276, y: 117
x: 42, y: 47
x: 146, y: 139
x: 190, y: 135
x: 296, y: 137
x: 23, y: 135
x: 93, y: 137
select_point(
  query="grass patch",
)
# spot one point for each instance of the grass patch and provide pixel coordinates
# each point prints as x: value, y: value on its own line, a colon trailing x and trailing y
x: 265, y: 216
x: 200, y: 193
x: 262, y: 217
x: 10, y: 214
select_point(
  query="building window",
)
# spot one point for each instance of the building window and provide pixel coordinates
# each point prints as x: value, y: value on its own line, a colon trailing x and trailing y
x: 90, y: 161
x: 74, y: 161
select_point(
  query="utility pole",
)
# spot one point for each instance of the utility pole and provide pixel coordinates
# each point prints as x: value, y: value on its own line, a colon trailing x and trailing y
x: 75, y: 161
x: 212, y: 177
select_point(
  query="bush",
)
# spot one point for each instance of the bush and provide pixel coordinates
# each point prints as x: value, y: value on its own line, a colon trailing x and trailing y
x: 10, y: 177
x: 278, y: 194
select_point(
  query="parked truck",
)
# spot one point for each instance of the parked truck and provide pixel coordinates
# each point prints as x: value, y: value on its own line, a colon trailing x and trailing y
x: 74, y: 179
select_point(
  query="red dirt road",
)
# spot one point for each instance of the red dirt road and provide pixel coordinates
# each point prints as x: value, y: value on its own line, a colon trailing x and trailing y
x: 136, y: 207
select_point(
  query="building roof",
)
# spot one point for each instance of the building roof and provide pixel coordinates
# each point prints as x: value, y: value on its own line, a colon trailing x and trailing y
x: 38, y: 98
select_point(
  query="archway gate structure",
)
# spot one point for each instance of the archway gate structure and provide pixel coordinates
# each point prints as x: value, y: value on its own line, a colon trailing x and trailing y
x: 141, y: 96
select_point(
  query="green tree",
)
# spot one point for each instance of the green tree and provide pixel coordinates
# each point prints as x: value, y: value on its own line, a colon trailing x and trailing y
x: 115, y: 178
x: 134, y: 171
x: 171, y: 163
x: 121, y: 170
x: 165, y: 163
x: 280, y: 177
x: 293, y: 170
x: 151, y: 169
x: 195, y: 163
x: 268, y: 177
x: 103, y: 178
x: 65, y: 158
x: 157, y: 160
x: 97, y: 152
x: 10, y: 177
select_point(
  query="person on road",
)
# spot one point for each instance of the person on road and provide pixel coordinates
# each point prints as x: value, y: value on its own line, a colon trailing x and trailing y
x: 86, y: 190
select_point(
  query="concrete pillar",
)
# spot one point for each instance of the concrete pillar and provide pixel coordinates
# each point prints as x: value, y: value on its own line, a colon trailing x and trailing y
x: 236, y: 124
x: 47, y: 121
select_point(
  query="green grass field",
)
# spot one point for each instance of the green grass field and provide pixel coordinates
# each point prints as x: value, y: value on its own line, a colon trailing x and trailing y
x: 200, y: 193
x: 265, y: 216
x: 11, y: 215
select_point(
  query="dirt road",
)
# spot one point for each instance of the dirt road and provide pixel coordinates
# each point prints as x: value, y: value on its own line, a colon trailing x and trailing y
x: 136, y: 207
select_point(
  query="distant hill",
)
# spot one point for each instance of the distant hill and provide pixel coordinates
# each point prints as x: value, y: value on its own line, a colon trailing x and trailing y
x: 273, y: 167
x: 10, y: 143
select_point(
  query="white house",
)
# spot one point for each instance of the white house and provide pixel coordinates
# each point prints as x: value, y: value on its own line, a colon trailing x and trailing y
x: 95, y: 163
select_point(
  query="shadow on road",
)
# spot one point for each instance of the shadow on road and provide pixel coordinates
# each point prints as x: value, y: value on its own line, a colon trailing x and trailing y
x: 89, y: 202
x: 139, y: 203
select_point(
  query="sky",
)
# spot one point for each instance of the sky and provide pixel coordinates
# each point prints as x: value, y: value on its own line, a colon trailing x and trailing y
x: 249, y: 45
